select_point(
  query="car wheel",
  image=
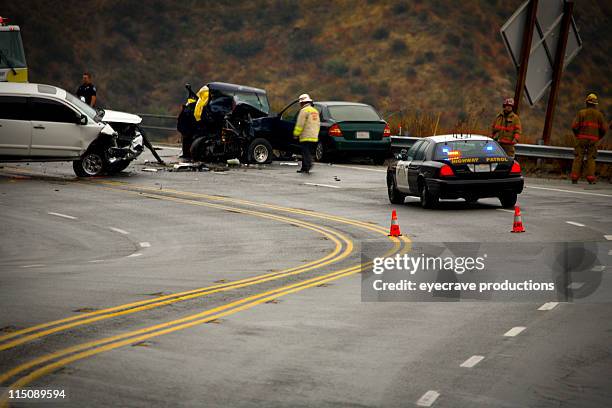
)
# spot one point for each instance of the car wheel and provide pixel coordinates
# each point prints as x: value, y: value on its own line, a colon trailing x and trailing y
x: 428, y: 199
x: 508, y: 200
x: 395, y: 196
x: 321, y: 154
x: 379, y: 160
x: 260, y: 151
x: 93, y: 163
x: 197, y: 149
x: 118, y: 166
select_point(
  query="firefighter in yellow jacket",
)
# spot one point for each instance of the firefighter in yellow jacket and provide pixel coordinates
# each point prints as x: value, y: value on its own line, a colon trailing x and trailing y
x: 589, y: 127
x: 506, y: 129
x: 307, y: 131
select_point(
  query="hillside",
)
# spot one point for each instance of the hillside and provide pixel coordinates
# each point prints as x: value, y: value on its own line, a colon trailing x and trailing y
x: 423, y: 58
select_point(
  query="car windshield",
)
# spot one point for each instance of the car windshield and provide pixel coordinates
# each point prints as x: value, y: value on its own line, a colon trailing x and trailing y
x: 11, y: 50
x: 260, y: 101
x: 468, y: 148
x: 353, y: 113
x: 83, y: 107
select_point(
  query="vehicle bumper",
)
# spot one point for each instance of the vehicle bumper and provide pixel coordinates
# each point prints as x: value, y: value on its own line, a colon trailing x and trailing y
x: 361, y: 146
x: 475, y: 188
x: 130, y: 152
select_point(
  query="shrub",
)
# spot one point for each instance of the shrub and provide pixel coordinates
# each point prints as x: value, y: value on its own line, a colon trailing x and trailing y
x: 400, y: 7
x: 242, y: 48
x: 453, y: 39
x: 398, y: 46
x: 358, y: 88
x: 380, y: 33
x: 336, y: 66
x: 410, y: 72
x: 300, y: 46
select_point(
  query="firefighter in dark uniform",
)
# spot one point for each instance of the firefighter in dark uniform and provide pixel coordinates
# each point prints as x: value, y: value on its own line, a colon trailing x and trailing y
x: 589, y: 127
x: 87, y: 90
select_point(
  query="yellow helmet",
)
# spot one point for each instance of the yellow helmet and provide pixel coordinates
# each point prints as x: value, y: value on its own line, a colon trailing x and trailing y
x: 592, y: 99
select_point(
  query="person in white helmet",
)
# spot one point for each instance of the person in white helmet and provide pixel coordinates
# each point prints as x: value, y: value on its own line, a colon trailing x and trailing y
x: 307, y: 131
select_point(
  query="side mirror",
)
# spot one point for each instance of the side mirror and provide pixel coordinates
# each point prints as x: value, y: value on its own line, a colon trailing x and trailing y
x: 82, y: 119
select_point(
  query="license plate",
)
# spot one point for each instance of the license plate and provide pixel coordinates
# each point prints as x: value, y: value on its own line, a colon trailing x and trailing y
x: 483, y: 168
x: 3, y: 75
x: 362, y: 135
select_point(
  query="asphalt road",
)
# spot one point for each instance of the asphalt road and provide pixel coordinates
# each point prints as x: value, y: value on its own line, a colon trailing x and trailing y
x: 242, y: 288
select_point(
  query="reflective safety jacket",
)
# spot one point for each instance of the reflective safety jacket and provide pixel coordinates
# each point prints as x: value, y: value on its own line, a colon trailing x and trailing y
x: 589, y: 124
x: 507, y: 128
x: 202, y: 102
x: 307, y: 125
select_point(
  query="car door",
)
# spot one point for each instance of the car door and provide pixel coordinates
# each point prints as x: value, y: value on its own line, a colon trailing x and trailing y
x: 286, y: 123
x: 414, y: 167
x: 401, y: 169
x: 15, y: 127
x: 55, y: 129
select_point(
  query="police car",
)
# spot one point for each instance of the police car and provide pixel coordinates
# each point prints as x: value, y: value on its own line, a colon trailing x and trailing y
x: 454, y: 166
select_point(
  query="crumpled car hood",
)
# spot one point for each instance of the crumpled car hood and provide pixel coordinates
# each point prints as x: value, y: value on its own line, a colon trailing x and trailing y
x: 120, y: 117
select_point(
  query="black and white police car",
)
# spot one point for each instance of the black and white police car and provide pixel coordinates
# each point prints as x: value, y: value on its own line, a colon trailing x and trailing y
x: 454, y: 166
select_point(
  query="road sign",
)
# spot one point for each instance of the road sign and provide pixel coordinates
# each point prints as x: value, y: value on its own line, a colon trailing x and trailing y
x: 543, y: 45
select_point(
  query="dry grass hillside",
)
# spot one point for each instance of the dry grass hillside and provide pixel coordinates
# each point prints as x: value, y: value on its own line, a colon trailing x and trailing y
x: 417, y: 61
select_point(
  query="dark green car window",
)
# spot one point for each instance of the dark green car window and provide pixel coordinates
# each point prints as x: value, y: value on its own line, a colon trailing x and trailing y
x: 353, y: 113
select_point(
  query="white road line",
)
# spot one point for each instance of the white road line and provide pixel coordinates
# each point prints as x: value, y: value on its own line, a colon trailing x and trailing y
x: 32, y: 266
x: 134, y: 255
x: 360, y: 168
x: 548, y: 306
x: 428, y: 398
x: 96, y: 261
x: 119, y: 230
x: 515, y: 331
x: 608, y: 237
x: 610, y: 252
x: 570, y: 191
x: 472, y: 361
x: 577, y: 224
x: 145, y: 244
x: 504, y: 210
x: 598, y: 268
x: 575, y: 285
x: 70, y: 217
x: 321, y: 185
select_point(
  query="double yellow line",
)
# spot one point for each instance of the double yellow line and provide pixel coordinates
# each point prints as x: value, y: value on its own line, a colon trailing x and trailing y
x: 343, y: 248
x: 84, y: 350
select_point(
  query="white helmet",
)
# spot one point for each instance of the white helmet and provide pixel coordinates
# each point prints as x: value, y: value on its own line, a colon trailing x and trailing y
x: 304, y: 98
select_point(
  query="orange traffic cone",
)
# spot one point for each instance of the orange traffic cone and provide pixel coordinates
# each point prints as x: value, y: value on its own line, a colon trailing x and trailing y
x: 394, y: 231
x: 518, y: 220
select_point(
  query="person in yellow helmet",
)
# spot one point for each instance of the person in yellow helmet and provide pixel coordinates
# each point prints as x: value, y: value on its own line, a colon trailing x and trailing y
x: 589, y: 127
x: 506, y: 128
x: 306, y: 130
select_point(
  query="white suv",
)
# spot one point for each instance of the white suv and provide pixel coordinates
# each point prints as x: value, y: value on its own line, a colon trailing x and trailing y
x: 45, y: 123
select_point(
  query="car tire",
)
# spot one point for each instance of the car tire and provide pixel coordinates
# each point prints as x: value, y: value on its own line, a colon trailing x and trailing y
x: 395, y: 196
x: 260, y: 151
x: 379, y: 160
x: 321, y: 153
x: 92, y: 163
x: 197, y: 149
x: 428, y: 199
x: 118, y: 167
x: 508, y: 200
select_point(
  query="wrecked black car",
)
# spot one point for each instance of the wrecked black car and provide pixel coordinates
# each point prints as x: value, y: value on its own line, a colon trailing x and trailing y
x: 226, y: 127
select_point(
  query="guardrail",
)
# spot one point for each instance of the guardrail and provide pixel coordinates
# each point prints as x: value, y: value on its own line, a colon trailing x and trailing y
x: 162, y: 126
x: 527, y: 150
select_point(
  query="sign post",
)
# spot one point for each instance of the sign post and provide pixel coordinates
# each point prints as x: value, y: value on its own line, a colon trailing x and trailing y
x: 568, y: 8
x: 525, y: 51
